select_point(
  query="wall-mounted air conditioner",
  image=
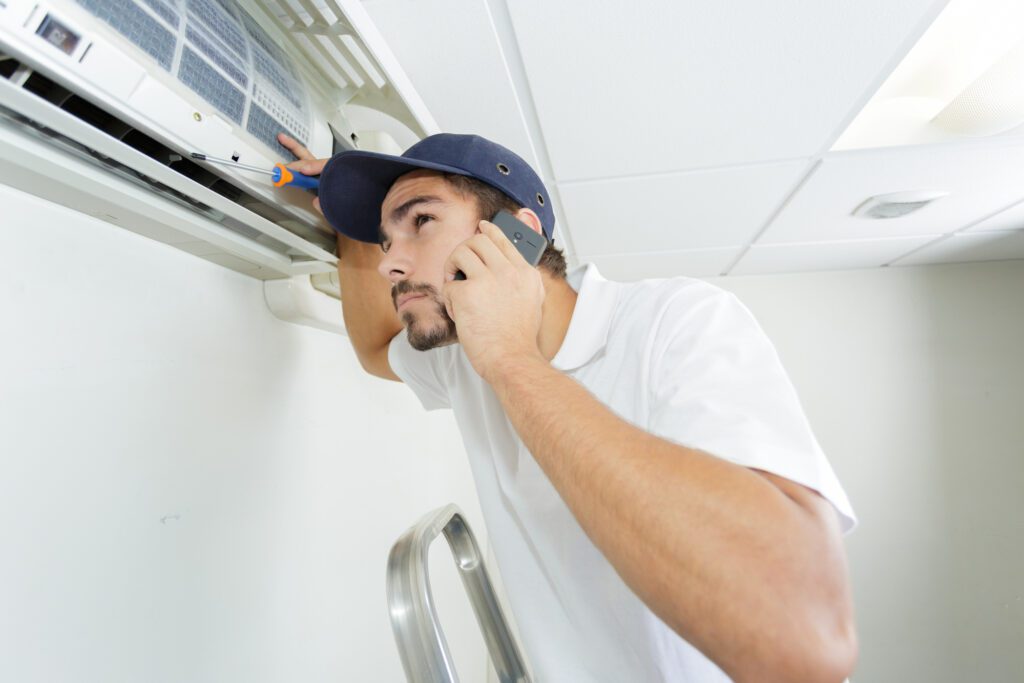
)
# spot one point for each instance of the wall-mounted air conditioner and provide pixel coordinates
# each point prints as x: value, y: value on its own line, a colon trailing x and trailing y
x: 102, y: 102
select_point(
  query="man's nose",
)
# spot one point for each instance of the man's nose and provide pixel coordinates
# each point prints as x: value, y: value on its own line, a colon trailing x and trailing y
x: 396, y: 264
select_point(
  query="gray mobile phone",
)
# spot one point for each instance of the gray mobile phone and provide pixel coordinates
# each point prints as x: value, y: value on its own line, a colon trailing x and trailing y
x: 529, y: 243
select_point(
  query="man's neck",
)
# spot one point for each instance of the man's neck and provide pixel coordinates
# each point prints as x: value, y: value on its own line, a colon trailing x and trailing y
x: 559, y: 303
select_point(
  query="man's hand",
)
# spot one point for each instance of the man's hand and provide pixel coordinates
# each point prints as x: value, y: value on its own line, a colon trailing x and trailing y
x: 497, y: 308
x: 307, y: 164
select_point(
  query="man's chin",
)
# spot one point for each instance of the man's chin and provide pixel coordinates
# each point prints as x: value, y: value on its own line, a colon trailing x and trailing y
x: 426, y: 342
x: 435, y: 336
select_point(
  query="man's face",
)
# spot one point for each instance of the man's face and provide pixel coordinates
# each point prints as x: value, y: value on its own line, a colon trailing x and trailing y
x: 422, y: 221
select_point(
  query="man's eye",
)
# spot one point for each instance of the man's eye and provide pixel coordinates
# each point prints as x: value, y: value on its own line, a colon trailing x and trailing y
x: 423, y: 218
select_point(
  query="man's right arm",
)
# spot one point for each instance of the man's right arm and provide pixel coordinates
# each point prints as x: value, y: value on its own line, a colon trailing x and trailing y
x: 366, y: 304
x: 370, y: 318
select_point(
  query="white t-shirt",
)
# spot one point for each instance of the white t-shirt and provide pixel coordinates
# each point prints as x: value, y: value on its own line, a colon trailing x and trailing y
x: 679, y: 358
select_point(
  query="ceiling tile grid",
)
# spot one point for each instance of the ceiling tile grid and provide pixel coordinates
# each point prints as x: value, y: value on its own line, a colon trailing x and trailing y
x: 838, y: 255
x: 451, y: 54
x: 1011, y: 218
x: 667, y: 85
x: 969, y: 246
x: 981, y: 179
x: 638, y: 266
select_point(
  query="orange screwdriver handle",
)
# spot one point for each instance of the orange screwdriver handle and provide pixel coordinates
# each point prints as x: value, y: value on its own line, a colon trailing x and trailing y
x: 283, y: 176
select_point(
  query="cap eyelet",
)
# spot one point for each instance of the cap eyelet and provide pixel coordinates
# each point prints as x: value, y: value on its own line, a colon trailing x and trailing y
x: 540, y: 199
x: 503, y: 169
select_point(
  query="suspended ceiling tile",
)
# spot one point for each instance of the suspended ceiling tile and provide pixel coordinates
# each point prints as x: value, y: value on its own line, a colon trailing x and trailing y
x: 1010, y: 219
x: 968, y: 246
x: 693, y: 263
x: 628, y: 89
x: 671, y: 212
x: 451, y: 54
x: 795, y: 258
x: 981, y: 178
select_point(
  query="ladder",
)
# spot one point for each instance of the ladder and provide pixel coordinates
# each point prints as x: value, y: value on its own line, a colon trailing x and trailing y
x: 421, y: 643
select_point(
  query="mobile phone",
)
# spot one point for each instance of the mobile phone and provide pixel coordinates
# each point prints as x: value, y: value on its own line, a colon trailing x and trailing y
x: 529, y: 243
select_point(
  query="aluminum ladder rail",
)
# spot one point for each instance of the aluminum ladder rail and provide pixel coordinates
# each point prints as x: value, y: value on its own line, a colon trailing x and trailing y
x: 421, y: 643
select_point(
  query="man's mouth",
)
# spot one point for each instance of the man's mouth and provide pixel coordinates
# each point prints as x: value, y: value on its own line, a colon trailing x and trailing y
x: 406, y: 298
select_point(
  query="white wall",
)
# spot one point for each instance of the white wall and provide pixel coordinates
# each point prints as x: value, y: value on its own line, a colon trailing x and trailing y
x: 191, y: 489
x: 913, y: 380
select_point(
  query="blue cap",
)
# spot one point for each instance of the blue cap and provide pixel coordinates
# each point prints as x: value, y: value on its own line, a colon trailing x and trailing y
x: 353, y: 184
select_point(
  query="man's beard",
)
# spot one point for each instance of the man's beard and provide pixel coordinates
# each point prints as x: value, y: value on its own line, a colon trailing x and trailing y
x: 441, y: 333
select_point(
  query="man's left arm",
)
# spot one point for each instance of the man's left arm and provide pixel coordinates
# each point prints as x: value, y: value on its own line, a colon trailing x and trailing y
x: 745, y: 565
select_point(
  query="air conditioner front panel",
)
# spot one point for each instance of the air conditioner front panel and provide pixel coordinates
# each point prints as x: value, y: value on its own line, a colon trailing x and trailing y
x: 194, y: 74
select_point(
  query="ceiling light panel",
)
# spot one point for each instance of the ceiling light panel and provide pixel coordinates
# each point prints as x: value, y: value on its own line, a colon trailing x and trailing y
x: 964, y: 78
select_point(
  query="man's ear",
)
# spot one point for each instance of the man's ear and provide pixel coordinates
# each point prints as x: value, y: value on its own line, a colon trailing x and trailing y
x: 530, y: 218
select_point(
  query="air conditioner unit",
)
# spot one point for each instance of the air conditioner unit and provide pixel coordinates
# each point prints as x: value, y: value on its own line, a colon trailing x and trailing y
x: 103, y: 101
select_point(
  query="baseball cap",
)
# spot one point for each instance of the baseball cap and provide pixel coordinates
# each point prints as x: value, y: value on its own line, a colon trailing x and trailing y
x: 354, y: 183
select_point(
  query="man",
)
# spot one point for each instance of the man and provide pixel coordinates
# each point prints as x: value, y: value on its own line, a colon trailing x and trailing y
x: 657, y: 504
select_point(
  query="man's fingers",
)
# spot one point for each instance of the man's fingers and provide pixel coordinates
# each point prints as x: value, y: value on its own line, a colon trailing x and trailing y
x: 448, y: 306
x: 308, y: 167
x: 306, y: 164
x: 295, y: 147
x: 464, y: 259
x: 488, y: 251
x: 501, y: 242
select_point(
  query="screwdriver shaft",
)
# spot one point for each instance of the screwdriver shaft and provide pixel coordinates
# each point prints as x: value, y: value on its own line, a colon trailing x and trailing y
x: 230, y: 162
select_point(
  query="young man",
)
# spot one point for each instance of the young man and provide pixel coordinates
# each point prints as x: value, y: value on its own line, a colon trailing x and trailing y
x: 657, y: 503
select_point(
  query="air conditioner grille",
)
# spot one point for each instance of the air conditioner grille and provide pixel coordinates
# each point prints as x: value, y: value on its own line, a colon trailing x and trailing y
x: 165, y: 12
x: 224, y: 27
x: 134, y: 24
x: 206, y: 82
x: 217, y: 51
x: 206, y: 45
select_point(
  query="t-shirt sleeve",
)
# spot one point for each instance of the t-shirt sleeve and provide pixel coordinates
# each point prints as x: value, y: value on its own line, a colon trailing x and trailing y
x: 425, y: 372
x: 719, y: 386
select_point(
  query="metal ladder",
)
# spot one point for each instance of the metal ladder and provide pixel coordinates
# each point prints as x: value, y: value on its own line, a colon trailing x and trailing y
x: 421, y: 642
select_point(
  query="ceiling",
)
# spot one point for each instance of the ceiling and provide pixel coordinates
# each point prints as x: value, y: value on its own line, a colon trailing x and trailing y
x: 693, y: 138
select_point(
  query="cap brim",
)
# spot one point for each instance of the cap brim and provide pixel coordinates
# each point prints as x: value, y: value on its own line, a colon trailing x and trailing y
x: 353, y: 185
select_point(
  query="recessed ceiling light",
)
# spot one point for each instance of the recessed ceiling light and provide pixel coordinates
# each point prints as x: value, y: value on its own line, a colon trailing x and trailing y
x: 896, y: 204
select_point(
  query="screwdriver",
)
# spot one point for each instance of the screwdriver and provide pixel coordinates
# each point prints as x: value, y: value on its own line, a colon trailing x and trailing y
x: 280, y: 175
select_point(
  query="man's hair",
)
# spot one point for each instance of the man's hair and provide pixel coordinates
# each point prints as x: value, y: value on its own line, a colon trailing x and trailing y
x: 489, y: 201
